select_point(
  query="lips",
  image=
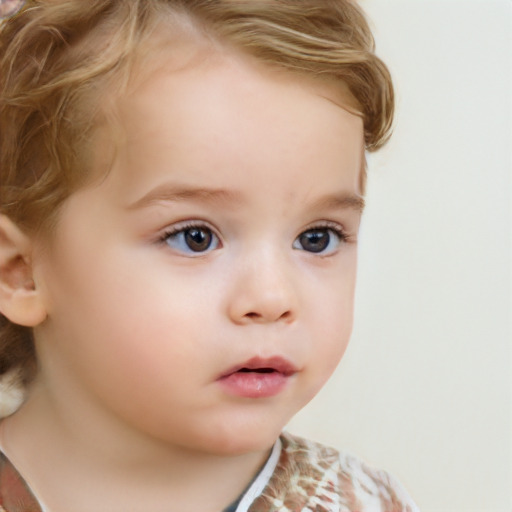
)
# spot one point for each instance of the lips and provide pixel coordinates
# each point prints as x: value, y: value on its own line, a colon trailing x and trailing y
x: 264, y: 365
x: 258, y: 377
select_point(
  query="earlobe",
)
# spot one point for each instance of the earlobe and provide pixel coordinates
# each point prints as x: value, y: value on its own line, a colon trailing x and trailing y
x: 20, y: 300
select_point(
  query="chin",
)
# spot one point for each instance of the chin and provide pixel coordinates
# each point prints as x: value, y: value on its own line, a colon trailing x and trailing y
x: 241, y: 441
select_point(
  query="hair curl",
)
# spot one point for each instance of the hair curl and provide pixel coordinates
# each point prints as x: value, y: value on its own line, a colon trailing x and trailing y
x: 57, y: 57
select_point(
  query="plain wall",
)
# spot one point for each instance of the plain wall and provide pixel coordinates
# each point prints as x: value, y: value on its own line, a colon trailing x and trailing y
x: 425, y: 388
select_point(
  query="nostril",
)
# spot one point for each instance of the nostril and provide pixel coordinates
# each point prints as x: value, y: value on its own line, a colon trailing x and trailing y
x: 286, y: 317
x: 259, y: 317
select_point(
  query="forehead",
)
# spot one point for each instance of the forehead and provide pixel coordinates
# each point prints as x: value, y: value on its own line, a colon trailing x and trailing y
x: 198, y: 109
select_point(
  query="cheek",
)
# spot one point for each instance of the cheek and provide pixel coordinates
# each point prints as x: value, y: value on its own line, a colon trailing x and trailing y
x: 330, y: 319
x: 338, y: 314
x: 122, y: 318
x: 332, y: 297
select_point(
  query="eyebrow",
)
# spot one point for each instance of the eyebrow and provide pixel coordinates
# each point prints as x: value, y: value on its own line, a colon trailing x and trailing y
x: 170, y: 192
x: 342, y: 201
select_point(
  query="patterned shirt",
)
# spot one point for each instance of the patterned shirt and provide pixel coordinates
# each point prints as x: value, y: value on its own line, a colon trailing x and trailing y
x: 299, y: 476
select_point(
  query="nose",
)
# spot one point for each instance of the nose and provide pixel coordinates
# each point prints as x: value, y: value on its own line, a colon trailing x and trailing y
x: 263, y: 291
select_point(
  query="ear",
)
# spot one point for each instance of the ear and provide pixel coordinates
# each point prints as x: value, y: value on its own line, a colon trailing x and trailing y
x: 20, y: 300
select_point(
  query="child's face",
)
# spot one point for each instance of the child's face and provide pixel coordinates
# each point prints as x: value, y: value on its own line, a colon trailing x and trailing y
x: 217, y: 242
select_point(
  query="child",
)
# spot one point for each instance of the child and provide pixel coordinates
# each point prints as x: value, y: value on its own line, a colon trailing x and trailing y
x: 182, y: 183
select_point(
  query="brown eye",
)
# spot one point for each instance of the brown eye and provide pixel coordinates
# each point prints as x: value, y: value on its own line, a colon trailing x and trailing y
x: 198, y: 239
x: 319, y: 241
x: 316, y: 240
x: 192, y: 240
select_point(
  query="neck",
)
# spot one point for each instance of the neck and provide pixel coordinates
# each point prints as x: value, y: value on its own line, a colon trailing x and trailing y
x: 64, y: 454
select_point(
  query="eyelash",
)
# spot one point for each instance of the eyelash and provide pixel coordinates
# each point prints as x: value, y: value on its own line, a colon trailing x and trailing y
x: 322, y: 226
x: 336, y: 228
x: 333, y: 226
x: 183, y: 227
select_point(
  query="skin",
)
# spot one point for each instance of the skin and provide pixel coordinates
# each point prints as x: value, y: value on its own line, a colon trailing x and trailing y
x: 138, y: 328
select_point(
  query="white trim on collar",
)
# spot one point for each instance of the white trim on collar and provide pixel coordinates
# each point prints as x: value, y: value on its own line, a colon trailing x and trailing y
x: 262, y: 479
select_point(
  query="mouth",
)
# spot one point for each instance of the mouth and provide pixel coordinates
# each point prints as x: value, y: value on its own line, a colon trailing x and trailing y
x: 264, y: 366
x: 258, y: 377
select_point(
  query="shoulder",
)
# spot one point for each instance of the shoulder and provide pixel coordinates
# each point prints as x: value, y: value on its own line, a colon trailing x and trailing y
x: 377, y: 489
x: 321, y: 478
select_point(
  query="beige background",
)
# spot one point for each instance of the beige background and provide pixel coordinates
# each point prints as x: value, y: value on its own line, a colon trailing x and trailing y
x: 425, y: 387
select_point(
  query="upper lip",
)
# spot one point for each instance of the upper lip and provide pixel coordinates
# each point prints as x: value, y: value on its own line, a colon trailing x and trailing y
x: 276, y: 363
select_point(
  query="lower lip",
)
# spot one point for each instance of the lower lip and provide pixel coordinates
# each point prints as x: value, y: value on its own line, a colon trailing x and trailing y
x: 253, y: 384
